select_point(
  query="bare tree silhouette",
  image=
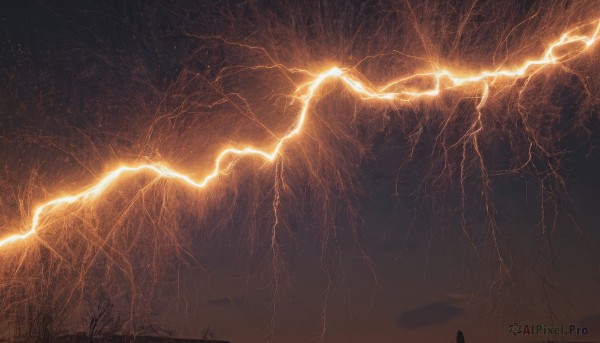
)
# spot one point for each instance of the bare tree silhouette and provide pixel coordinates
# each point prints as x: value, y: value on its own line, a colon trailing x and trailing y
x: 39, y: 325
x: 103, y: 319
x: 208, y: 334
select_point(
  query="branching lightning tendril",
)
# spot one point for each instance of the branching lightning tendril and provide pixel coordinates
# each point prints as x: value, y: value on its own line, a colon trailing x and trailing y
x: 571, y: 44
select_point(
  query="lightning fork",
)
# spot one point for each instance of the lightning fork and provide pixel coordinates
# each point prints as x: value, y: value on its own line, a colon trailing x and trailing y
x: 573, y: 43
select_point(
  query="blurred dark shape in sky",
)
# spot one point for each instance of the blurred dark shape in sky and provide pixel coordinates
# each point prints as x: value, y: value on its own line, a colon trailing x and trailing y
x: 429, y: 314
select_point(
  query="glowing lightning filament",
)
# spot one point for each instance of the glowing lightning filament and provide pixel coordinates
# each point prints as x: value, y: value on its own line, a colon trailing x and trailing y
x: 393, y: 91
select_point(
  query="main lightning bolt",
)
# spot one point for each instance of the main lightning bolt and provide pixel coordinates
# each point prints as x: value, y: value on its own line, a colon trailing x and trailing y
x: 571, y: 44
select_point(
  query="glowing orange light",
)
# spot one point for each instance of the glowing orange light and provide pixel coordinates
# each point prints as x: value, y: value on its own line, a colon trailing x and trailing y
x: 570, y: 41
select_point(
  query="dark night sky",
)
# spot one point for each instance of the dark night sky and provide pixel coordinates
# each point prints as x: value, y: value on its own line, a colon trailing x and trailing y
x: 79, y: 62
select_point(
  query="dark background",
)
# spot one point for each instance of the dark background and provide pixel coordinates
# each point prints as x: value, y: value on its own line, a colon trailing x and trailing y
x: 80, y: 80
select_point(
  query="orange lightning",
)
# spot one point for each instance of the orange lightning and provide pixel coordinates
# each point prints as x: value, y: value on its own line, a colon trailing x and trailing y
x: 570, y: 45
